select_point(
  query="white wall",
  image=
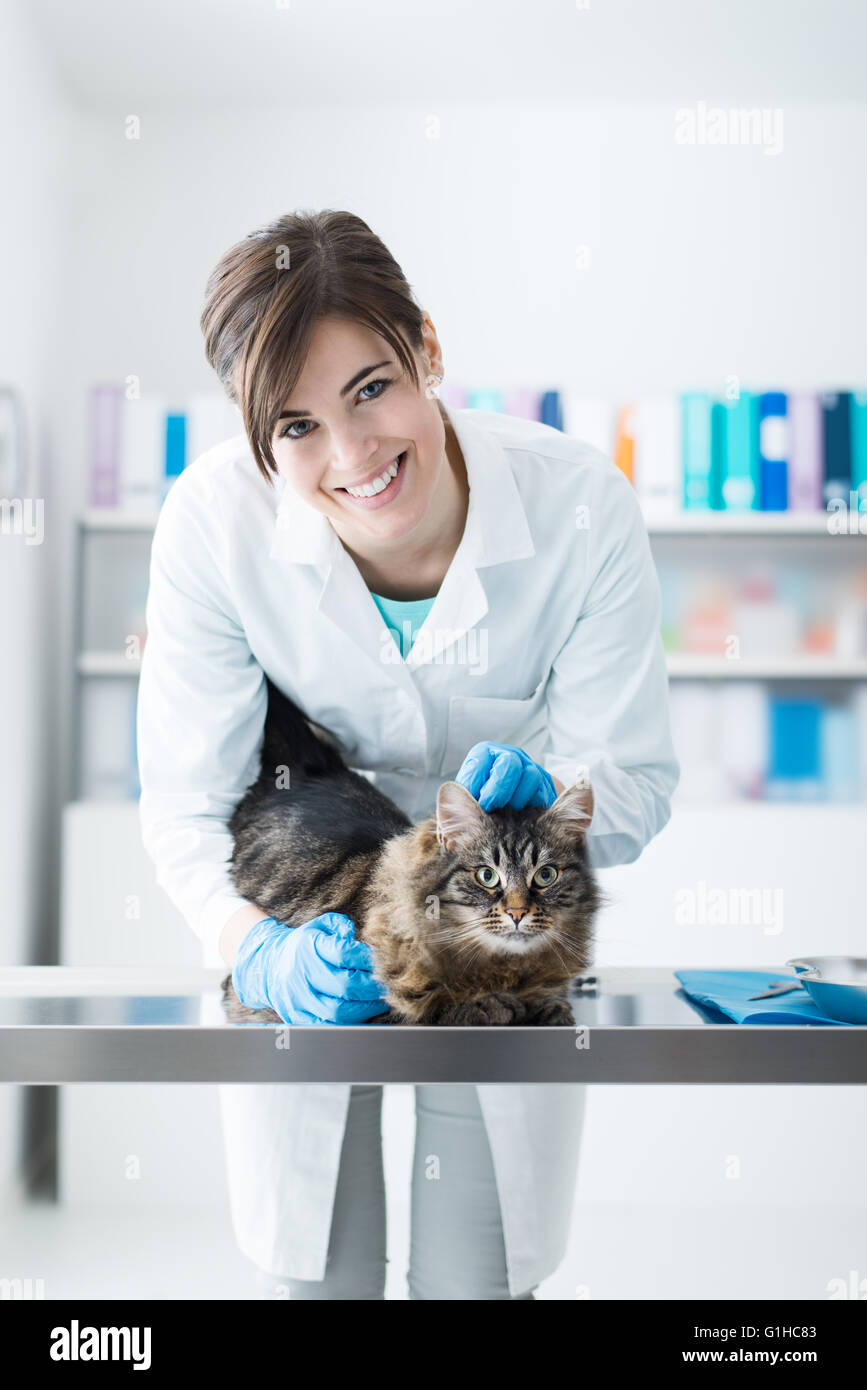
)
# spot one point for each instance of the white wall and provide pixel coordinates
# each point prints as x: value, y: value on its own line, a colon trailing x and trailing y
x: 703, y: 260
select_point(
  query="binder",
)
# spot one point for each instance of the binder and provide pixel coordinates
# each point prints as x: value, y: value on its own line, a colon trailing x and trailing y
x: 176, y: 448
x: 591, y: 419
x: 657, y: 455
x: 805, y: 452
x: 794, y: 770
x: 484, y: 399
x: 211, y: 419
x: 624, y: 443
x: 839, y: 745
x: 743, y: 727
x: 551, y: 410
x: 740, y: 479
x: 106, y: 406
x: 858, y: 432
x: 451, y: 394
x: 523, y: 404
x: 697, y: 456
x: 836, y: 447
x: 719, y: 437
x: 773, y: 452
x: 143, y: 453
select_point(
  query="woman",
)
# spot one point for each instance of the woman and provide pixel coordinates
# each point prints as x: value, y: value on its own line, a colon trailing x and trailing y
x: 452, y: 593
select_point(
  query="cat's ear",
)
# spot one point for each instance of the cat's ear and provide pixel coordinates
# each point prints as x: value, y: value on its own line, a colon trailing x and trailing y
x: 572, y: 812
x: 459, y: 816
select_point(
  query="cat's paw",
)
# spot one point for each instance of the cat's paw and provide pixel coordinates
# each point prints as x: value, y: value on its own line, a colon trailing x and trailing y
x: 552, y: 1014
x: 236, y: 1012
x: 392, y: 1017
x: 488, y: 1010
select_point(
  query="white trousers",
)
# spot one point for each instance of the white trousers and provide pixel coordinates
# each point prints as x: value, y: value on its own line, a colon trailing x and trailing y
x: 283, y: 1146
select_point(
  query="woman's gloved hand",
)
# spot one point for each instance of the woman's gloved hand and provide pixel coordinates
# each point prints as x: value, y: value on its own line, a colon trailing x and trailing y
x: 316, y: 973
x: 498, y: 774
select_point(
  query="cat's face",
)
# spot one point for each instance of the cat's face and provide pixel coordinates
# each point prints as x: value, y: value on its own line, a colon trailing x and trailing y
x: 516, y: 879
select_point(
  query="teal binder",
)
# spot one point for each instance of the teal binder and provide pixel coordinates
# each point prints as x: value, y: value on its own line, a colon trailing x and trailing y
x: 484, y: 399
x: 858, y: 445
x: 741, y: 475
x: 718, y: 433
x: 696, y: 446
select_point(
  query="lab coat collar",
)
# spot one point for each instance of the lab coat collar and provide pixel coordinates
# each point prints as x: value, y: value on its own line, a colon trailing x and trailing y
x: 496, y: 531
x: 496, y: 528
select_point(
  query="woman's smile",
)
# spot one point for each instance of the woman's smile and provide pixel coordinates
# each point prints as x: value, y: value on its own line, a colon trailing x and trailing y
x: 377, y: 489
x: 350, y: 453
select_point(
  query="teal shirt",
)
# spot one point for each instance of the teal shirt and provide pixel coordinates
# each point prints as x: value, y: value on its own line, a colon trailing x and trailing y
x: 396, y: 612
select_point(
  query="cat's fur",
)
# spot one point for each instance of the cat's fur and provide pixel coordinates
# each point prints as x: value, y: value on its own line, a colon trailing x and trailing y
x: 324, y: 839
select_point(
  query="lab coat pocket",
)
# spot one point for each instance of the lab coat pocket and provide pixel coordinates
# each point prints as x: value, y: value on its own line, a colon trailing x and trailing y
x: 484, y: 718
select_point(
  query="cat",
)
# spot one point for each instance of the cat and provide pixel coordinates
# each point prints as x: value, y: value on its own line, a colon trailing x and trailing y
x: 431, y: 900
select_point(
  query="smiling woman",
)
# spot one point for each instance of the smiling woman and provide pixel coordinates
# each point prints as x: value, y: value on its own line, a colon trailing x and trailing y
x: 376, y: 455
x: 387, y: 498
x: 337, y: 383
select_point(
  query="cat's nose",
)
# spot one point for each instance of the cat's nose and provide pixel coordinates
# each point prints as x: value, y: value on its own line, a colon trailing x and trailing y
x: 515, y: 915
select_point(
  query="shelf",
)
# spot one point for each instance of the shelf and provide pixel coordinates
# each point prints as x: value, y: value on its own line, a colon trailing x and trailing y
x: 712, y: 523
x: 681, y: 666
x: 681, y: 523
x: 107, y: 664
x: 108, y: 519
x: 694, y: 666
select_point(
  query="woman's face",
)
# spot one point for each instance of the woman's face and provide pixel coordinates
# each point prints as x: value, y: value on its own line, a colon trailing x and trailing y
x: 354, y: 422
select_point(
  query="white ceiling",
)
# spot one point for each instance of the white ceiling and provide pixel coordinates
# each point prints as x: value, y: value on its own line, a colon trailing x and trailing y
x: 127, y: 55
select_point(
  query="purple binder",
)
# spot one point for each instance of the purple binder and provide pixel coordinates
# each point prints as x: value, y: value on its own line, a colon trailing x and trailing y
x: 105, y: 417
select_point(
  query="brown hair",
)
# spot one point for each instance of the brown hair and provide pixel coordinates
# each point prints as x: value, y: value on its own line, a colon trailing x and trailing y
x: 264, y: 295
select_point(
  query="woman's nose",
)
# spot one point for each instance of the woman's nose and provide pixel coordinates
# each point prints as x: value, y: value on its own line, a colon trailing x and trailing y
x: 353, y: 456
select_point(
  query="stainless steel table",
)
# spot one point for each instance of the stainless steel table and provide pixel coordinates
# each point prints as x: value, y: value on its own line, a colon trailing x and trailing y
x: 62, y: 1024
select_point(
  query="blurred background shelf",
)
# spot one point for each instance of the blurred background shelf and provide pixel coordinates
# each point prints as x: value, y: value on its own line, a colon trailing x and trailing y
x: 107, y: 664
x: 795, y: 605
x: 108, y: 519
x: 686, y: 523
x: 751, y: 524
x: 696, y: 666
x: 681, y: 665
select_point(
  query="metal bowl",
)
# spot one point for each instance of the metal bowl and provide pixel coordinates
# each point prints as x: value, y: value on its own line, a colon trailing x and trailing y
x: 837, y: 985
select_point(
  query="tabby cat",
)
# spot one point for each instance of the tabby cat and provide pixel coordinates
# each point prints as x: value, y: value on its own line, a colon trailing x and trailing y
x: 472, y: 917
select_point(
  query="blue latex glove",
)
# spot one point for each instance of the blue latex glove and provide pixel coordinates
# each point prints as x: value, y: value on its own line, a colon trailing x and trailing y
x: 498, y: 774
x: 316, y: 973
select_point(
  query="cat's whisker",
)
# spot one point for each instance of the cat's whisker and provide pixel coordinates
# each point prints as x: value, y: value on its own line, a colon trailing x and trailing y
x: 555, y: 935
x: 461, y: 929
x: 557, y: 953
x: 470, y: 943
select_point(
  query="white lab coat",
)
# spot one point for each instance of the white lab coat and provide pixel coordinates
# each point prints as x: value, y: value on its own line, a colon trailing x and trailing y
x: 544, y: 634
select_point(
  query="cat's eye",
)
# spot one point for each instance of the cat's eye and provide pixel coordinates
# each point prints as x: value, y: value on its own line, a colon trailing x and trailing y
x: 545, y: 875
x: 487, y: 876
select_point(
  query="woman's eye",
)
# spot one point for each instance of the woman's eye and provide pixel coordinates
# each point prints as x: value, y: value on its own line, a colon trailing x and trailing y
x: 284, y: 433
x: 487, y: 877
x: 287, y: 430
x: 545, y: 875
x: 382, y: 381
